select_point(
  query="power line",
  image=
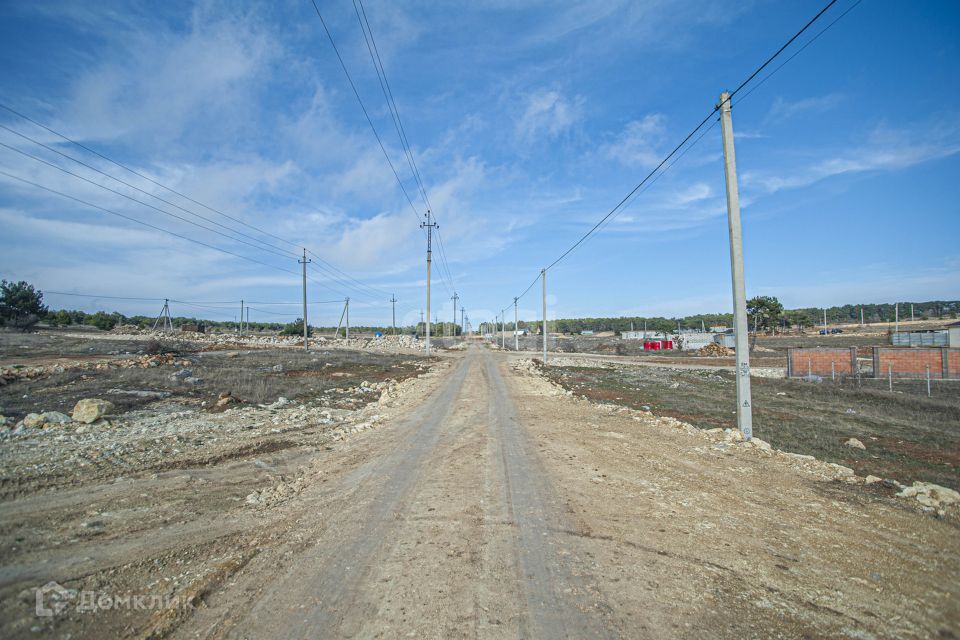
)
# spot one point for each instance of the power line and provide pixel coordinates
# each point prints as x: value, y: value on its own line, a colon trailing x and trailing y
x: 388, y: 96
x: 141, y: 175
x: 123, y: 182
x: 131, y: 198
x: 88, y: 295
x: 686, y: 139
x: 138, y: 174
x: 798, y: 51
x: 141, y: 222
x: 364, y: 109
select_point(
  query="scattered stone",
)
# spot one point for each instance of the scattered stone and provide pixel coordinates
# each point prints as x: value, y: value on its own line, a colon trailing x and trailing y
x: 872, y: 480
x: 853, y: 443
x: 278, y: 367
x: 34, y: 421
x: 90, y: 410
x: 930, y: 495
x: 55, y: 417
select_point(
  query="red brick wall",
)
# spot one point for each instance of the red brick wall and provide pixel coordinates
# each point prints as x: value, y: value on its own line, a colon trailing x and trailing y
x: 912, y: 362
x: 819, y: 361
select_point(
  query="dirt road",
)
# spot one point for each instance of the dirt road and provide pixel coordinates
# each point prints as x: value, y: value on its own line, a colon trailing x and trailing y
x: 499, y: 507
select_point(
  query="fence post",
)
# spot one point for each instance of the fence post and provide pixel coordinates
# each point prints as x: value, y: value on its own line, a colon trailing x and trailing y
x: 789, y: 362
x: 945, y: 362
x: 854, y: 365
x: 809, y: 368
x: 928, y: 381
x: 890, y: 375
x: 833, y: 371
x: 876, y: 362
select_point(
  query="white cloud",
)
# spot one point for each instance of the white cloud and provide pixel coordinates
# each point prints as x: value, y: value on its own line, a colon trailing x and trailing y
x: 785, y: 109
x: 547, y: 114
x: 886, y: 149
x: 637, y: 144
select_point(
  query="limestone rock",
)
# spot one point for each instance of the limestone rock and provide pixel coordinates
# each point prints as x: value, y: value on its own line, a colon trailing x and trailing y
x: 90, y: 410
x: 55, y: 417
x: 33, y: 420
x: 853, y: 443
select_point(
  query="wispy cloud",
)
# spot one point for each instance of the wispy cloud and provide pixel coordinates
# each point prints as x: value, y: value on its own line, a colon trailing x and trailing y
x: 783, y: 109
x: 885, y: 149
x: 638, y: 144
x: 547, y: 113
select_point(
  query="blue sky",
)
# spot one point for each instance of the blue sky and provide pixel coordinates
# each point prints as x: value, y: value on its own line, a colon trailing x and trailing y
x: 528, y: 120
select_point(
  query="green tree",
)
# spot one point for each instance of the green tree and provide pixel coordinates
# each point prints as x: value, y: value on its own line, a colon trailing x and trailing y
x: 764, y: 311
x: 295, y: 328
x: 21, y: 305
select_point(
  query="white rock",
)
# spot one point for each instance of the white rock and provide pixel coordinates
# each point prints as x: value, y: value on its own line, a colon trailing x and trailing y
x: 853, y: 443
x: 90, y: 410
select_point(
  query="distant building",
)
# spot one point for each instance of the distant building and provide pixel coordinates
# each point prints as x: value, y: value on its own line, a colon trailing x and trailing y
x: 725, y: 339
x: 521, y: 332
x: 953, y: 335
x: 931, y: 338
x: 586, y: 332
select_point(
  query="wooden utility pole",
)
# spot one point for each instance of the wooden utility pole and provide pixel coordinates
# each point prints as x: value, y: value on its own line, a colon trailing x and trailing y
x: 306, y: 338
x: 744, y: 398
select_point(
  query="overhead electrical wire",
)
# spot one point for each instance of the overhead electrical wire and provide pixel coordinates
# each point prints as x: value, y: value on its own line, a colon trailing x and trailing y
x: 648, y: 178
x: 394, y: 114
x: 365, y: 113
x: 145, y: 204
x: 381, y: 71
x: 143, y: 176
x: 141, y: 222
x: 127, y: 184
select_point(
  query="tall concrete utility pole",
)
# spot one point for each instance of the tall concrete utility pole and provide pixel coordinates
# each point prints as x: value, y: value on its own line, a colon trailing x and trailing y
x: 455, y: 299
x: 304, y: 262
x: 896, y: 318
x: 241, y: 318
x: 347, y: 312
x: 543, y: 277
x: 516, y: 331
x: 463, y: 323
x: 393, y: 322
x: 744, y: 398
x: 503, y: 329
x: 824, y: 321
x: 429, y: 225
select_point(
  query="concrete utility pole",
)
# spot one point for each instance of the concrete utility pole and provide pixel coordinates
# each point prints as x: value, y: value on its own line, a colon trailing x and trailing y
x: 393, y: 323
x: 824, y: 321
x: 911, y: 312
x: 241, y: 318
x: 516, y: 330
x: 503, y: 329
x: 429, y: 225
x: 463, y: 322
x: 744, y: 399
x: 347, y: 312
x: 304, y: 262
x: 896, y: 318
x: 543, y: 277
x: 861, y: 316
x: 455, y: 299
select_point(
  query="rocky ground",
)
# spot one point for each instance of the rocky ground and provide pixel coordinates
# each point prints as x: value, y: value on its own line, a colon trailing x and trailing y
x: 464, y: 496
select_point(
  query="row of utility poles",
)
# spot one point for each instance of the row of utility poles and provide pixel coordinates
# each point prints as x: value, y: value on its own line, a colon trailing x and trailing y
x: 742, y: 357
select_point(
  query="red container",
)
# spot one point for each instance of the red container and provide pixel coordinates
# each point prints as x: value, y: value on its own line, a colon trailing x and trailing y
x: 668, y: 344
x: 655, y: 345
x: 646, y: 346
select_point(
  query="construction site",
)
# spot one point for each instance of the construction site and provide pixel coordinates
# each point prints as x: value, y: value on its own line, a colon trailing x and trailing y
x: 628, y: 373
